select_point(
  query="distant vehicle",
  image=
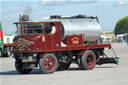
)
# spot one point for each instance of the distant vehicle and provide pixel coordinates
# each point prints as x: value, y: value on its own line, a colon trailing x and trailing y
x: 6, y: 43
x: 121, y: 37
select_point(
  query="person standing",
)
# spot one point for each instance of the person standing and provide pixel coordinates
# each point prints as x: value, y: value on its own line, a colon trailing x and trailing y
x: 127, y: 39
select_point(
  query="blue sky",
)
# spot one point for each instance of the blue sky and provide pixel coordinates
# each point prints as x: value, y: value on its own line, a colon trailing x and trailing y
x: 108, y: 11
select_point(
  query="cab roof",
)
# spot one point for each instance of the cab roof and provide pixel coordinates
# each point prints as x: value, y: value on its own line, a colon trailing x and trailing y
x: 36, y: 22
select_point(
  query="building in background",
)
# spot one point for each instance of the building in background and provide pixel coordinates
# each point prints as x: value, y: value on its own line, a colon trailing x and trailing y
x: 108, y: 36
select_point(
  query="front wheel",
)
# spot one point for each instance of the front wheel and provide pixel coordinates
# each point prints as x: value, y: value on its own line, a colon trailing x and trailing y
x: 19, y: 67
x: 48, y: 64
x: 88, y: 60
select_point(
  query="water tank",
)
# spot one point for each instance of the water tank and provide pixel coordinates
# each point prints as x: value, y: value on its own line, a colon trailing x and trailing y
x: 88, y: 26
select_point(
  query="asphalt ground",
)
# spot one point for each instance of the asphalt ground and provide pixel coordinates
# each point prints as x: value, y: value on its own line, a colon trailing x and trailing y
x: 108, y: 74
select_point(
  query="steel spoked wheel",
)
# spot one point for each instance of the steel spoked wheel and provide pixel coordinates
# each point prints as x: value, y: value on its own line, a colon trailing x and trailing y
x: 48, y: 64
x: 88, y: 60
x: 20, y: 69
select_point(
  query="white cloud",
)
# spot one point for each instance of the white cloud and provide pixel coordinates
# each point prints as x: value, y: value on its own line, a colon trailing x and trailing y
x: 53, y: 2
x: 123, y: 2
x: 61, y: 2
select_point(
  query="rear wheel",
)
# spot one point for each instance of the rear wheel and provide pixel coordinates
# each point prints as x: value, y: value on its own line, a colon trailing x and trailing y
x: 88, y: 60
x: 19, y: 67
x: 79, y: 63
x: 48, y: 64
x: 8, y: 52
x: 0, y: 53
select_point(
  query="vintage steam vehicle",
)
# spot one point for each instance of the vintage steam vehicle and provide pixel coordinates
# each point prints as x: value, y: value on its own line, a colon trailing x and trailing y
x: 6, y: 43
x: 55, y: 43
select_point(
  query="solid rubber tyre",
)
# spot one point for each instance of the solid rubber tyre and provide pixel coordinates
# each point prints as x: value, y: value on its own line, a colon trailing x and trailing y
x: 8, y: 52
x: 1, y: 53
x: 79, y: 63
x: 88, y: 60
x: 20, y: 69
x: 48, y: 64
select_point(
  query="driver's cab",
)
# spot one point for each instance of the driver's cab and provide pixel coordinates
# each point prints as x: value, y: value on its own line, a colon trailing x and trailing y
x: 39, y: 36
x: 34, y: 28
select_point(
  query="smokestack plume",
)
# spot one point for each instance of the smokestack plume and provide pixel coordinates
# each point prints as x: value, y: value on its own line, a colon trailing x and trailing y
x: 27, y: 10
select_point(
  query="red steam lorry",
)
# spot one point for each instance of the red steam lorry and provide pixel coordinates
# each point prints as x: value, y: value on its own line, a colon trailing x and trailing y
x: 54, y: 43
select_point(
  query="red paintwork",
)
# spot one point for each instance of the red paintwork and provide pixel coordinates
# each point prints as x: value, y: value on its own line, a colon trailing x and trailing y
x: 74, y: 40
x: 52, y: 42
x: 81, y: 53
x: 37, y: 42
x: 1, y: 35
x: 49, y: 63
x: 90, y: 63
x: 42, y: 55
x: 9, y: 44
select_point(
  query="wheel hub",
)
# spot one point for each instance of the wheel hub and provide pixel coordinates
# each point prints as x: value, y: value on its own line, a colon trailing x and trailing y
x: 90, y: 60
x: 49, y: 63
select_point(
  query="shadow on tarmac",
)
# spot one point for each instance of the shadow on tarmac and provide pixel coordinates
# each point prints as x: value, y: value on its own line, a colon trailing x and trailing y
x: 37, y: 71
x: 9, y: 73
x: 34, y: 71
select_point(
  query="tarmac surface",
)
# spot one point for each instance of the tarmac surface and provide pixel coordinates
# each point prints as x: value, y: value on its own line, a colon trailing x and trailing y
x: 108, y: 74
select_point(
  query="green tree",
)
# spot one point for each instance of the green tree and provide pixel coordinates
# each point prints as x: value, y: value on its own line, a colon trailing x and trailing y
x: 122, y: 26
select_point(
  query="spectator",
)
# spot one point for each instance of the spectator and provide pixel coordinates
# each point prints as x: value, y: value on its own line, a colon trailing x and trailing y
x: 127, y: 39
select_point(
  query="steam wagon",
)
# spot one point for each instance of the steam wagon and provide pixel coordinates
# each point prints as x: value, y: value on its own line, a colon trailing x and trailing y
x: 54, y: 43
